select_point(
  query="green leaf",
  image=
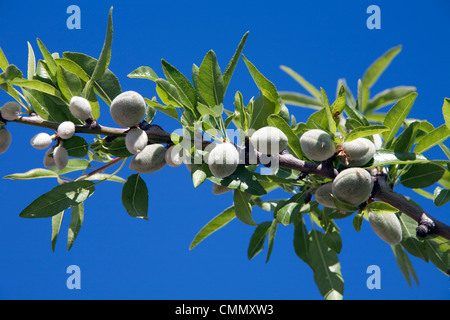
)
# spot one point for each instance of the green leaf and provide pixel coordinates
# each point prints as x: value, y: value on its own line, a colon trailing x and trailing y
x: 69, y: 84
x: 407, y: 138
x: 210, y: 80
x: 305, y: 84
x: 243, y: 208
x: 104, y: 176
x: 168, y: 93
x: 432, y: 139
x: 396, y: 115
x: 187, y: 92
x: 422, y: 175
x: 233, y: 62
x: 76, y: 147
x: 135, y: 197
x: 56, y: 226
x: 212, y: 226
x: 326, y: 267
x: 293, y: 141
x: 32, y: 174
x: 388, y: 96
x: 72, y: 67
x: 37, y: 85
x: 267, y: 88
x: 47, y: 107
x: 377, y: 68
x: 116, y: 148
x: 326, y: 106
x: 441, y: 196
x: 59, y: 199
x: 333, y: 240
x: 438, y: 257
x: 72, y: 165
x: 300, y: 100
x: 404, y: 264
x: 410, y: 242
x: 365, y: 131
x: 198, y: 175
x: 144, y: 72
x: 31, y: 70
x: 301, y: 239
x: 242, y: 179
x: 262, y: 108
x: 339, y: 104
x: 48, y: 58
x: 76, y: 221
x: 381, y: 207
x: 387, y: 157
x: 10, y: 73
x: 258, y: 238
x: 3, y: 61
x: 272, y: 233
x: 446, y: 112
x: 105, y: 55
x: 168, y: 110
x: 107, y: 87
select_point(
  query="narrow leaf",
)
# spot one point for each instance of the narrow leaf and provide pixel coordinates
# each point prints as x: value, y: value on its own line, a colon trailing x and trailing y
x: 56, y: 226
x: 305, y: 84
x: 32, y: 174
x: 300, y: 100
x: 422, y: 175
x: 365, y: 131
x: 76, y: 221
x: 396, y: 115
x: 243, y: 208
x: 293, y: 141
x: 258, y: 238
x: 446, y: 112
x: 210, y: 80
x: 233, y: 62
x: 272, y: 233
x: 31, y: 70
x: 377, y: 68
x: 433, y: 138
x: 105, y: 55
x: 267, y: 88
x: 214, y: 225
x: 388, y: 96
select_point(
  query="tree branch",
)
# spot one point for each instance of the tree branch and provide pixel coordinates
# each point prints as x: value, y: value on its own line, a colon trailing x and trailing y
x: 155, y: 133
x: 426, y: 223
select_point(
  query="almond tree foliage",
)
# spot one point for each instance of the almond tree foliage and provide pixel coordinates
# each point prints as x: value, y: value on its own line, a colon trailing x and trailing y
x: 45, y: 91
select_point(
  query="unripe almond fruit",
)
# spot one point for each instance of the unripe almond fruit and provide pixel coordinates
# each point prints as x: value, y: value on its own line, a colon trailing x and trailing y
x: 136, y: 140
x: 10, y: 111
x: 5, y: 140
x: 49, y: 161
x: 174, y: 156
x: 41, y: 141
x: 223, y: 160
x: 80, y: 108
x: 61, y: 157
x: 269, y: 140
x: 128, y: 109
x: 150, y: 159
x: 323, y: 195
x: 386, y: 226
x: 352, y: 186
x: 66, y: 130
x: 317, y: 145
x: 358, y: 152
x: 218, y: 189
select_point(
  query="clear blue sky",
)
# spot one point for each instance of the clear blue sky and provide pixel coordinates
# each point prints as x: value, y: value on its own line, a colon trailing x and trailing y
x: 125, y: 258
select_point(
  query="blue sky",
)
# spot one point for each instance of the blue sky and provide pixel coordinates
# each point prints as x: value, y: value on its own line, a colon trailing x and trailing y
x: 124, y: 258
